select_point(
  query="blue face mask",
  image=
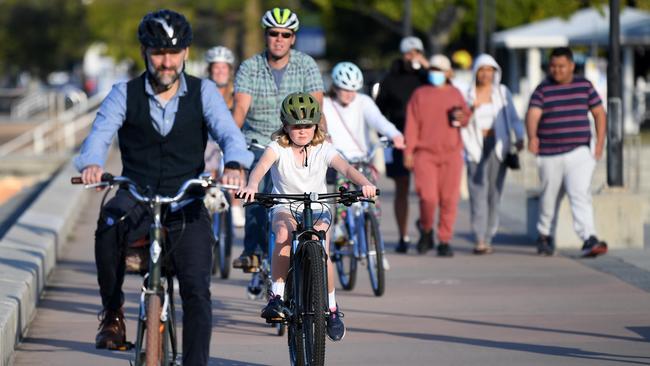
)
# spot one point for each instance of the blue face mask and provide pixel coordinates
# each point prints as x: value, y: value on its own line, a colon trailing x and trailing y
x: 437, y: 78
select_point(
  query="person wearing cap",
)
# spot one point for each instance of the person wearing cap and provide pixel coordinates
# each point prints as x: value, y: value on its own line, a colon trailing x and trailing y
x: 405, y: 75
x: 162, y: 127
x: 434, y: 115
x: 261, y: 83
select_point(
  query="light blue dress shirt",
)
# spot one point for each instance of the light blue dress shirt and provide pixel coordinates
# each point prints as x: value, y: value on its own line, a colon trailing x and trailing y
x: 112, y: 112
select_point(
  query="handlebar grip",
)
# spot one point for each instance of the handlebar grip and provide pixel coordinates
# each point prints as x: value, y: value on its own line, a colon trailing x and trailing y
x: 107, y: 177
x: 239, y: 196
x: 76, y: 180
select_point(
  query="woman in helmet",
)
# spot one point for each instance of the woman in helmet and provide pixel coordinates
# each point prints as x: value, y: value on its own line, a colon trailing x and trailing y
x: 350, y: 114
x: 221, y: 68
x: 298, y: 158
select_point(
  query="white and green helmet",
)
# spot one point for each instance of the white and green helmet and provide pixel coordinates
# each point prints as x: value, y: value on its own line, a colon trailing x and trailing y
x: 280, y: 18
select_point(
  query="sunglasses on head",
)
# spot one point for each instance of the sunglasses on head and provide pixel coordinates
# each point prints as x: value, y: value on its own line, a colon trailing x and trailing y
x: 285, y: 35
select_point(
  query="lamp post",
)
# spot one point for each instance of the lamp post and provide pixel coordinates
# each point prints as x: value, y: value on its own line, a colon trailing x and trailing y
x: 614, y: 104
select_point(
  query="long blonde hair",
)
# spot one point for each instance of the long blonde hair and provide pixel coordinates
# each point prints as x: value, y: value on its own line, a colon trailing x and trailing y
x: 282, y: 137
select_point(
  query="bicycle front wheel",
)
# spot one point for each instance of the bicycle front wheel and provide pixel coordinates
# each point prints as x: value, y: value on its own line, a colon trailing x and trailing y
x: 307, y: 327
x: 221, y: 253
x: 153, y: 333
x: 374, y: 254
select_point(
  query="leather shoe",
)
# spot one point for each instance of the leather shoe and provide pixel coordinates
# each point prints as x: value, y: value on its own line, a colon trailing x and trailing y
x: 112, y: 331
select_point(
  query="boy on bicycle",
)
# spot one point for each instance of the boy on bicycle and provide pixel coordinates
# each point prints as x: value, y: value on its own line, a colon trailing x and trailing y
x: 298, y: 158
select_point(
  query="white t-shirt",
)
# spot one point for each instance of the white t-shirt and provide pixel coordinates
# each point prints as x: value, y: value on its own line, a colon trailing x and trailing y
x: 485, y: 116
x: 289, y: 177
x: 357, y: 116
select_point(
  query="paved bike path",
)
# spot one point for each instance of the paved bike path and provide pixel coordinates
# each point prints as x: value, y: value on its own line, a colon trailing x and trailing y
x: 509, y: 308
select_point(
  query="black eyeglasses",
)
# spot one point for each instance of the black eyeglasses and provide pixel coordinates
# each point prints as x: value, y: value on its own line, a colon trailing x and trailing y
x: 283, y: 34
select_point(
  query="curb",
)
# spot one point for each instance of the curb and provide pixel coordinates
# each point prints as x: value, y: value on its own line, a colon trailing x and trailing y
x: 28, y: 253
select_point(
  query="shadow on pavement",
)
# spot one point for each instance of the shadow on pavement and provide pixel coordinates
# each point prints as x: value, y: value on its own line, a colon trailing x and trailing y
x: 516, y: 346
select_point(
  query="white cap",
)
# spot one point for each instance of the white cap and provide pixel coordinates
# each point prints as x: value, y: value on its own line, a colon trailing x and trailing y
x: 440, y: 62
x: 410, y: 43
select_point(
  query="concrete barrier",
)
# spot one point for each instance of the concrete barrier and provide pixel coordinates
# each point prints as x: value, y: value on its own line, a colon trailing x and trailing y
x: 28, y: 253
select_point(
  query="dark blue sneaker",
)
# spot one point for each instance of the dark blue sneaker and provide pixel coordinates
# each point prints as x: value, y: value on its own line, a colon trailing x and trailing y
x: 593, y: 247
x: 335, y: 326
x: 545, y: 245
x: 273, y: 312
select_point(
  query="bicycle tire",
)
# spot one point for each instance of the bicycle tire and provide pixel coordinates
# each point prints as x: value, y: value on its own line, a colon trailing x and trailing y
x: 345, y: 260
x: 311, y: 304
x: 152, y: 332
x: 374, y: 254
x: 225, y: 247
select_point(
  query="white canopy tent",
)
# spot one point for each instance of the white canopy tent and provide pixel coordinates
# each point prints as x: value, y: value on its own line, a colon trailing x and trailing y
x: 586, y: 27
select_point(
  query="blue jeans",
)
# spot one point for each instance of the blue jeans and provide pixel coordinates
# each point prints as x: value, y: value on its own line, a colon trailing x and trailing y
x: 256, y: 228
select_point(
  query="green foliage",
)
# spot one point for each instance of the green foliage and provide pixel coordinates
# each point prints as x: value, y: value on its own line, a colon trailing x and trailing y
x: 41, y: 36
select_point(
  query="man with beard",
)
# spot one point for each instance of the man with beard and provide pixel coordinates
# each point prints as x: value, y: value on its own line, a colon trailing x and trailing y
x: 262, y: 82
x: 163, y: 119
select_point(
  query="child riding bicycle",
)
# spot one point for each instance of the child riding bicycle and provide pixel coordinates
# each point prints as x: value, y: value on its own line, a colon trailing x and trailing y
x: 298, y: 158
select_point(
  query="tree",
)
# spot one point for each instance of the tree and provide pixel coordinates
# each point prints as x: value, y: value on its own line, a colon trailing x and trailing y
x: 28, y: 45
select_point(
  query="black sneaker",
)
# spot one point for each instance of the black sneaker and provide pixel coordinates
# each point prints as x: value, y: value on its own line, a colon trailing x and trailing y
x: 335, y: 326
x: 593, y: 247
x: 426, y: 242
x: 444, y: 250
x: 273, y: 312
x: 403, y: 246
x: 545, y: 245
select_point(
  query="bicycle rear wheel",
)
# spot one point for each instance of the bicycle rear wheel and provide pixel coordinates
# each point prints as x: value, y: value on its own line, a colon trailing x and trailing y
x: 345, y: 260
x: 307, y: 326
x: 374, y: 254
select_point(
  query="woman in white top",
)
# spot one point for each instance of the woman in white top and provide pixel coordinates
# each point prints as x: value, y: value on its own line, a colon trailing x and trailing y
x: 298, y: 158
x: 487, y: 140
x: 350, y: 114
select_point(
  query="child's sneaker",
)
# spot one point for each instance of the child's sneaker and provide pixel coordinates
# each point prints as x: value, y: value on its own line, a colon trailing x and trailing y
x: 335, y: 326
x: 273, y: 312
x: 593, y: 247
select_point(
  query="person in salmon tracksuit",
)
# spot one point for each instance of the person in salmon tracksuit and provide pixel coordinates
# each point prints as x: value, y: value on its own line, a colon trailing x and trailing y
x: 435, y: 113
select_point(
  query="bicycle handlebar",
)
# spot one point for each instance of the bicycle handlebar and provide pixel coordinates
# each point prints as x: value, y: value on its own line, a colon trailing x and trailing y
x: 107, y: 179
x: 344, y: 197
x: 383, y: 142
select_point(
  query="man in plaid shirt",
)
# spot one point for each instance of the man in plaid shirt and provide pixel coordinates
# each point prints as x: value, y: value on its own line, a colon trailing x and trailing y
x: 262, y: 82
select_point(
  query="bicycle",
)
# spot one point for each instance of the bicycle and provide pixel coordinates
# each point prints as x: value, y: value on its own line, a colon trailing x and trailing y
x: 305, y: 291
x: 156, y: 338
x: 357, y: 236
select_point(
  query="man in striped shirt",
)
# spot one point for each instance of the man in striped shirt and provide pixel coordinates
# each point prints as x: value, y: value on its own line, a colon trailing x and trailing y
x: 559, y: 133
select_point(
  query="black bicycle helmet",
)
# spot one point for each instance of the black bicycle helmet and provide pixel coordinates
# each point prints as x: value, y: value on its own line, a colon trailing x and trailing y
x: 165, y: 29
x: 300, y: 109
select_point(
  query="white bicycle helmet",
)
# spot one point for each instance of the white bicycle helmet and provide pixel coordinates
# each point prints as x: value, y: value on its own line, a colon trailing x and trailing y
x: 348, y: 76
x: 280, y: 18
x: 219, y: 54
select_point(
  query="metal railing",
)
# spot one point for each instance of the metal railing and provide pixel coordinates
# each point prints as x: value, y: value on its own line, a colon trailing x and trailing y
x: 58, y: 134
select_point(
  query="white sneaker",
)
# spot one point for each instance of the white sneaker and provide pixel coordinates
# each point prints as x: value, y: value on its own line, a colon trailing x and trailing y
x: 386, y: 264
x: 238, y: 216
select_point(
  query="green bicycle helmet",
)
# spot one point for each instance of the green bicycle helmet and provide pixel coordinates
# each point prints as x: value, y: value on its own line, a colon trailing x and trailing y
x: 280, y: 18
x: 300, y: 109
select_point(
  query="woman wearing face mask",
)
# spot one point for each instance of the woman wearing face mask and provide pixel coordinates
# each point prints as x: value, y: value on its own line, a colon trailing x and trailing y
x: 487, y: 140
x: 433, y: 152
